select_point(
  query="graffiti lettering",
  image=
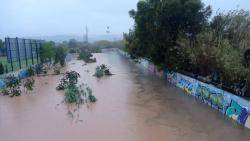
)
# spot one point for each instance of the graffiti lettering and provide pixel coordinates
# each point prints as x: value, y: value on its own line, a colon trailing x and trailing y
x: 186, y: 86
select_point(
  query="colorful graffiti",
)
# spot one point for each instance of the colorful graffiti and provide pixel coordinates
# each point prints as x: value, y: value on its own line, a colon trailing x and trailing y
x: 238, y: 113
x: 214, y: 99
x: 186, y: 83
x: 232, y: 106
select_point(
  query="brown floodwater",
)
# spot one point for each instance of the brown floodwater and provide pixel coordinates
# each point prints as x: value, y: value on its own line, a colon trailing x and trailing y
x: 133, y: 105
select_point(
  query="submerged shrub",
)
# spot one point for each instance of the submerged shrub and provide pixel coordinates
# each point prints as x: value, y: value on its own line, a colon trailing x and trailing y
x: 86, y: 55
x: 29, y: 84
x: 73, y: 95
x: 69, y: 79
x: 31, y: 71
x: 99, y: 72
x: 102, y: 70
x: 12, y: 86
x: 39, y: 68
x: 91, y: 97
x: 76, y: 95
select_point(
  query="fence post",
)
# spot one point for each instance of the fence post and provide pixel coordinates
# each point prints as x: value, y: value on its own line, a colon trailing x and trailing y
x: 9, y: 51
x: 18, y: 53
x: 32, y: 57
x: 25, y: 51
x: 37, y: 52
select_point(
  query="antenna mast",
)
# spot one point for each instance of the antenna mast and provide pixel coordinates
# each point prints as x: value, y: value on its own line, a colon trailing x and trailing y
x: 87, y: 36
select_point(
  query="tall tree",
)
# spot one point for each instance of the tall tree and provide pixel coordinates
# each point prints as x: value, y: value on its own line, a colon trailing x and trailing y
x: 159, y: 24
x: 47, y: 52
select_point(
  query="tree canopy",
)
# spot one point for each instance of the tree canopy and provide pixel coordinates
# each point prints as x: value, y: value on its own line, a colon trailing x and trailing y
x: 158, y: 25
x: 180, y: 35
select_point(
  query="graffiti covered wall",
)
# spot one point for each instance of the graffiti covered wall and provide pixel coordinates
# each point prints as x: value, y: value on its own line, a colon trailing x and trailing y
x: 228, y: 104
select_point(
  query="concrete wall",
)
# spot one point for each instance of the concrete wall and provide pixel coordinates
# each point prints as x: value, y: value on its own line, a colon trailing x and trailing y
x: 230, y: 105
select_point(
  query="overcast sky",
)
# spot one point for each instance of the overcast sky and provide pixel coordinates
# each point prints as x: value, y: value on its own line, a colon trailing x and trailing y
x: 69, y: 17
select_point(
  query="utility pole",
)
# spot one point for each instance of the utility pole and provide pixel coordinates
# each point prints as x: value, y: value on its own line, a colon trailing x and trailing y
x: 87, y: 36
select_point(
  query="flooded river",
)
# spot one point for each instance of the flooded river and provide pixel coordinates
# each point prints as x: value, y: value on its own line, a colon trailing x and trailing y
x: 133, y: 105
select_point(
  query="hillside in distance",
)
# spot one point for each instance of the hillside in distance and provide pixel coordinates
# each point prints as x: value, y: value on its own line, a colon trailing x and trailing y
x: 91, y: 38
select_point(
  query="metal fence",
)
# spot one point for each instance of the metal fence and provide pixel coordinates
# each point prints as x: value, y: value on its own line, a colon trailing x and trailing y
x: 21, y: 53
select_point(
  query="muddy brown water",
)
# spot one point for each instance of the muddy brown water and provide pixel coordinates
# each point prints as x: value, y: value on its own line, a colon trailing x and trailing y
x: 133, y: 105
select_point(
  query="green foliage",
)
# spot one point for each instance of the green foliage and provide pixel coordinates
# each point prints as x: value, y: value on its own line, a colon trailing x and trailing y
x: 72, y: 51
x: 158, y: 24
x: 217, y: 49
x: 1, y: 69
x: 79, y: 95
x: 86, y: 55
x: 2, y: 48
x: 57, y: 70
x: 39, y: 68
x: 230, y: 63
x: 73, y: 95
x: 91, y: 97
x: 102, y: 70
x: 29, y: 84
x: 177, y: 35
x: 47, y: 52
x: 60, y: 55
x: 31, y: 71
x: 12, y: 86
x: 76, y: 95
x: 69, y: 79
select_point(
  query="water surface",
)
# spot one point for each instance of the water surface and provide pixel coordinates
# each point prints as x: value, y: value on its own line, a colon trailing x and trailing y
x: 133, y: 105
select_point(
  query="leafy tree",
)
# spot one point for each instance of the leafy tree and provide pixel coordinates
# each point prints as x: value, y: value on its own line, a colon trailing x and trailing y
x: 60, y: 55
x: 159, y: 24
x: 178, y: 35
x: 47, y: 52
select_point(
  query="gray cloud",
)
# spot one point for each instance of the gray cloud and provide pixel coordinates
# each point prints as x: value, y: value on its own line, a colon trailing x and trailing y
x: 69, y: 17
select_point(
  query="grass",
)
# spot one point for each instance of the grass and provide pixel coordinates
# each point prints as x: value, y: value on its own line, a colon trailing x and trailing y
x: 3, y: 60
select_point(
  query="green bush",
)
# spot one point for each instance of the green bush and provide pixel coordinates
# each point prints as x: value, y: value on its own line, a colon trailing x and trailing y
x: 60, y: 55
x: 73, y: 95
x: 12, y: 86
x: 102, y: 70
x: 29, y: 84
x: 47, y: 52
x: 31, y: 71
x: 190, y: 42
x: 69, y: 79
x: 85, y: 55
